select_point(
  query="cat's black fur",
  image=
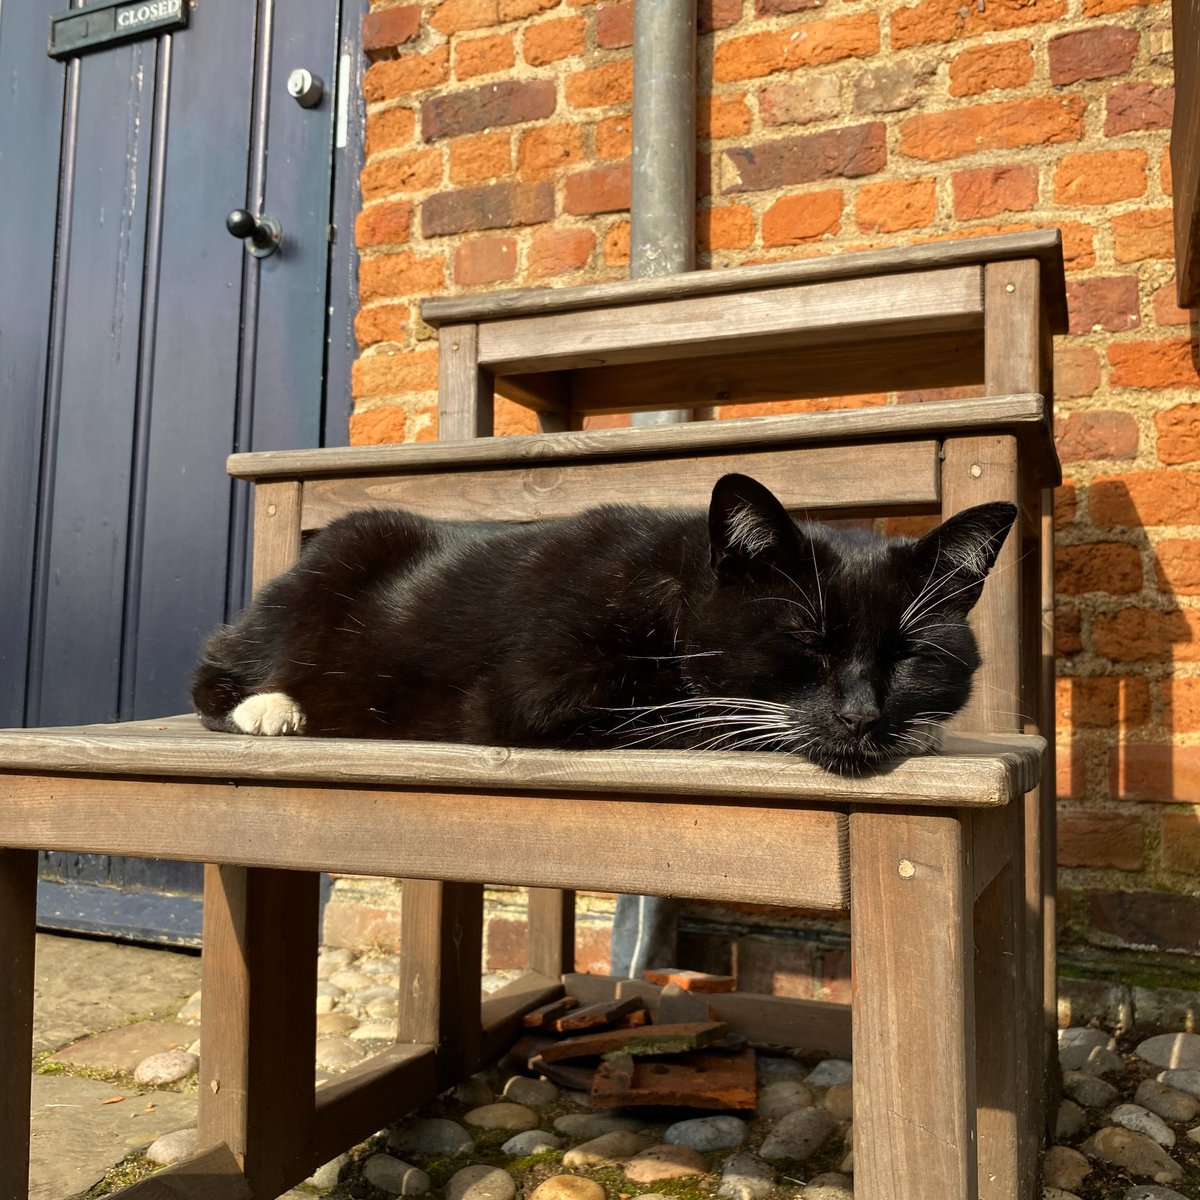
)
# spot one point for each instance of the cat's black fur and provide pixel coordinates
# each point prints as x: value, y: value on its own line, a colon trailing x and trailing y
x: 619, y: 626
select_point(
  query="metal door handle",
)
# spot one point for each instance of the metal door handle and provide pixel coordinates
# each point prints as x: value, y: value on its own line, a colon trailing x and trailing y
x: 261, y: 235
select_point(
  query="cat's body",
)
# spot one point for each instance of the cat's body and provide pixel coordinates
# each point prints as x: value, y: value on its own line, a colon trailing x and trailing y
x: 618, y: 626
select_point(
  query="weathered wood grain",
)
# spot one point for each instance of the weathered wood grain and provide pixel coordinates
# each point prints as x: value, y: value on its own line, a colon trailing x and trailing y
x: 465, y: 408
x: 551, y: 925
x: 1044, y: 245
x: 878, y: 422
x: 276, y: 528
x: 903, y: 474
x: 770, y: 318
x: 971, y: 770
x: 212, y: 1174
x: 18, y: 923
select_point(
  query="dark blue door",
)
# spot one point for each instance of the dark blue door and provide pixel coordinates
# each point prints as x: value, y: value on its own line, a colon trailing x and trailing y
x: 140, y: 343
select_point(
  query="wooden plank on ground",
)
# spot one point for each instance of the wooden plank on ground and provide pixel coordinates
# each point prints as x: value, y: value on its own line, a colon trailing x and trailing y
x: 549, y: 1013
x: 596, y: 1016
x: 650, y: 1039
x: 697, y: 1080
x: 690, y: 981
x: 212, y: 1174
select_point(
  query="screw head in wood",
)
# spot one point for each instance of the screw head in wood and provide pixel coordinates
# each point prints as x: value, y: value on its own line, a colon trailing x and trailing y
x: 1010, y: 287
x: 270, y: 510
x: 976, y: 470
x: 907, y: 870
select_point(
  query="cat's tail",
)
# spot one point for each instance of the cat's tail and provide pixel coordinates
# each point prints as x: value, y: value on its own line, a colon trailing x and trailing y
x: 218, y: 685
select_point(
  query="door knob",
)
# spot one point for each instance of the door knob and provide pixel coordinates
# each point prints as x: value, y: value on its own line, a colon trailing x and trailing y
x: 261, y: 235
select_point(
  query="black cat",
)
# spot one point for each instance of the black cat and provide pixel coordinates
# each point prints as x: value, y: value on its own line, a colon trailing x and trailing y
x: 621, y: 626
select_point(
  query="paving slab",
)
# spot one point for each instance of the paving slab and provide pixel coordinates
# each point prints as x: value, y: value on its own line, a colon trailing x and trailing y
x: 84, y: 987
x: 76, y: 1138
x: 123, y: 1048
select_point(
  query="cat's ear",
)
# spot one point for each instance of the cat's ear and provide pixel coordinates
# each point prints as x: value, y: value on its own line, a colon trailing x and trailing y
x: 749, y: 530
x: 956, y: 556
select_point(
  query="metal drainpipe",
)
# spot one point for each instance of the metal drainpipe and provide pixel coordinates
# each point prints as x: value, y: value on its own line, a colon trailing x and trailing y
x: 663, y: 217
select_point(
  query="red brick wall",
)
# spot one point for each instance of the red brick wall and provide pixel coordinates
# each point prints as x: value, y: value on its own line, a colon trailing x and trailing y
x: 498, y: 137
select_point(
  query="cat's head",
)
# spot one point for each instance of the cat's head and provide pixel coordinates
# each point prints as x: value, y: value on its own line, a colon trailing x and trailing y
x: 854, y: 647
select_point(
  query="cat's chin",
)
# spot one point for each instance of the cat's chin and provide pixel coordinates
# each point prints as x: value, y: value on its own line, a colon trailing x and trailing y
x: 857, y: 758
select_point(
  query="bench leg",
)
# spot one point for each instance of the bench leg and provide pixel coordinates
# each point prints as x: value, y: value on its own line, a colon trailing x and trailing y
x: 551, y: 932
x: 914, y: 1007
x: 441, y: 958
x: 18, y: 923
x: 258, y: 1025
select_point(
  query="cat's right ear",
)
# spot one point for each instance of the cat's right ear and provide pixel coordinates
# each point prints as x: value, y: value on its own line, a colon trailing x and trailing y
x: 749, y: 531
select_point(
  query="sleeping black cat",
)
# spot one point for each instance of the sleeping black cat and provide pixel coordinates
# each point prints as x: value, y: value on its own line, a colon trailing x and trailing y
x: 621, y: 626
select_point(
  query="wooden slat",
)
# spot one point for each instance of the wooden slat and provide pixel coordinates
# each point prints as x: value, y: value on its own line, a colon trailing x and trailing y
x: 787, y: 856
x: 353, y: 1105
x: 903, y: 474
x: 212, y: 1174
x: 970, y: 772
x: 1045, y: 245
x: 795, y: 315
x: 276, y: 528
x: 911, y: 947
x: 18, y: 922
x: 551, y: 926
x: 876, y: 423
x: 465, y: 408
x: 1185, y: 151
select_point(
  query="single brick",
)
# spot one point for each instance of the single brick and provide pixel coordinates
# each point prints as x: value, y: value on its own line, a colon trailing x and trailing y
x: 1135, y: 635
x: 1066, y: 503
x: 414, y: 171
x: 485, y: 260
x: 1181, y: 697
x: 1181, y: 842
x: 1167, y: 496
x: 388, y: 276
x: 390, y: 78
x: 1177, y: 566
x: 1102, y: 701
x: 728, y: 228
x: 1076, y: 371
x: 1142, y: 771
x: 1147, y: 920
x: 991, y: 68
x: 1133, y: 107
x: 990, y: 190
x: 599, y: 190
x: 1068, y: 631
x: 1089, y: 435
x: 484, y: 55
x: 599, y: 87
x: 933, y: 21
x: 455, y: 16
x: 551, y: 41
x: 892, y: 86
x: 1095, y: 53
x: 390, y: 373
x: 480, y: 156
x: 1178, y: 433
x: 1153, y: 364
x: 614, y: 137
x: 614, y: 24
x: 1112, y: 567
x: 1166, y: 310
x: 380, y: 426
x: 793, y: 220
x: 895, y: 204
x: 546, y: 149
x: 556, y: 251
x: 616, y: 244
x: 1087, y: 839
x: 508, y: 102
x: 809, y: 45
x: 389, y: 129
x: 498, y: 206
x: 386, y: 29
x: 815, y: 98
x: 712, y: 15
x: 1103, y: 8
x: 1079, y: 245
x: 722, y: 117
x: 1100, y: 178
x: 1144, y: 233
x: 385, y: 224
x: 1003, y: 125
x: 1104, y: 302
x: 849, y: 152
x: 381, y: 323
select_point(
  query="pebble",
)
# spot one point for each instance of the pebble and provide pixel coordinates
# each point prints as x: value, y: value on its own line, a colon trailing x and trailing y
x: 1064, y: 1168
x: 1095, y: 1060
x: 594, y: 1124
x: 778, y: 1099
x: 1089, y: 1090
x: 1184, y: 1080
x: 474, y: 1092
x: 1169, y: 1103
x: 1071, y: 1119
x: 481, y: 1182
x: 1134, y: 1151
x: 502, y: 1116
x: 433, y: 1135
x: 530, y: 1142
x: 171, y: 1147
x: 1134, y: 1116
x: 326, y: 1175
x: 168, y: 1067
x: 383, y: 1008
x: 1180, y: 1051
x: 1193, y: 1135
x: 776, y: 1070
x: 338, y: 1053
x: 665, y: 1162
x: 395, y: 1177
x: 829, y: 1072
x: 325, y: 988
x: 335, y: 1024
x: 568, y: 1187
x: 536, y: 1093
x: 746, y: 1177
x: 350, y: 979
x: 606, y: 1149
x: 1082, y: 1036
x: 1151, y: 1191
x: 707, y: 1133
x: 375, y: 1031
x: 324, y: 1004
x: 799, y: 1135
x: 385, y: 964
x: 190, y: 1012
x: 840, y: 1101
x: 1053, y: 1193
x: 832, y: 1185
x: 331, y: 959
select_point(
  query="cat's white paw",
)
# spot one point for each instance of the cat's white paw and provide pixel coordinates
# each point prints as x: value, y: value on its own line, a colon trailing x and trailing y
x: 268, y: 714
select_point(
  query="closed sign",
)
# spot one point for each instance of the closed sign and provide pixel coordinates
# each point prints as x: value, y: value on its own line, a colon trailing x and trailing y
x: 99, y: 25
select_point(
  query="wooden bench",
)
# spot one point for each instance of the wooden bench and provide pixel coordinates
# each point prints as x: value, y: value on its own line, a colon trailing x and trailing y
x: 941, y: 861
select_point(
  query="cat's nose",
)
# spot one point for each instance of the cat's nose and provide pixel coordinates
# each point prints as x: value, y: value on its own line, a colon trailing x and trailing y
x: 859, y: 718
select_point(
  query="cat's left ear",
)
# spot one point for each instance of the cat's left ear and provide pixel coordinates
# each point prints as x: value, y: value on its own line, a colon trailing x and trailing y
x: 958, y: 554
x: 749, y: 530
